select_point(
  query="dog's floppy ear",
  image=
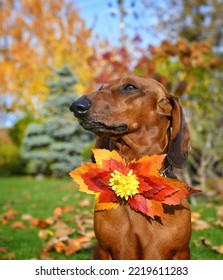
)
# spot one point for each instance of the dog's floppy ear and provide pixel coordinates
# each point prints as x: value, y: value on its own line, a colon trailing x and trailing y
x: 180, y: 137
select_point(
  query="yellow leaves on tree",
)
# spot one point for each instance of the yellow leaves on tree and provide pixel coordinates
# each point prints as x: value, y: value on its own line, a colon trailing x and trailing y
x: 36, y: 36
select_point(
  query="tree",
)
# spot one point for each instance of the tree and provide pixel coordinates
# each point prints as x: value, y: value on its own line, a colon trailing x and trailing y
x: 191, y: 70
x: 54, y: 145
x: 36, y: 35
x: 193, y: 20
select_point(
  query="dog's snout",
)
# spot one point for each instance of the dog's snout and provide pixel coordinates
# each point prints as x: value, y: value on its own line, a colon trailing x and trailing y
x: 80, y: 106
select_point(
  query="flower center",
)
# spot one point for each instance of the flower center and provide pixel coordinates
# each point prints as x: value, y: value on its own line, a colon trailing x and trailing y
x: 124, y: 186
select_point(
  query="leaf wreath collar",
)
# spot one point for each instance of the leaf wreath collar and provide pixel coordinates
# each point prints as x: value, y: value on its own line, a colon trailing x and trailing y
x: 139, y: 183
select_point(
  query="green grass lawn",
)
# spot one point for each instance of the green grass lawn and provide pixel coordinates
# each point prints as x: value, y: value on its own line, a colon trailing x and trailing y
x: 24, y: 201
x: 38, y: 199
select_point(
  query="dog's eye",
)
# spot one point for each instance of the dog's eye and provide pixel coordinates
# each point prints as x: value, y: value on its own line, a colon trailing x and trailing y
x: 129, y: 87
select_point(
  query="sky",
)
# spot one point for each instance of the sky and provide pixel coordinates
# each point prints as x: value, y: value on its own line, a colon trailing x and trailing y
x: 104, y: 16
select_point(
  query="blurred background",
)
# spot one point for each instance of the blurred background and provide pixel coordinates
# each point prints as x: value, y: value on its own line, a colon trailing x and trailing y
x: 53, y: 51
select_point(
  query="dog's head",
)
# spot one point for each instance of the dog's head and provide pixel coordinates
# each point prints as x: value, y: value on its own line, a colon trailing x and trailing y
x: 140, y: 108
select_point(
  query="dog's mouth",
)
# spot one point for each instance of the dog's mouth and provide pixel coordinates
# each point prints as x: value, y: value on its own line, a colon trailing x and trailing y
x: 100, y: 127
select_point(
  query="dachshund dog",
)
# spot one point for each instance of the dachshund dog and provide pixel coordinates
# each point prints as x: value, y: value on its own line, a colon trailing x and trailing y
x: 136, y: 117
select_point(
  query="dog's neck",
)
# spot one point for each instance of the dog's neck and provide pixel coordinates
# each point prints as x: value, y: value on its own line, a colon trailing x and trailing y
x: 135, y: 146
x: 129, y: 150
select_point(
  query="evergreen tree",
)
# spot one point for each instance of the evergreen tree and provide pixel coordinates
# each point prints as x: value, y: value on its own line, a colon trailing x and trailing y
x: 54, y: 146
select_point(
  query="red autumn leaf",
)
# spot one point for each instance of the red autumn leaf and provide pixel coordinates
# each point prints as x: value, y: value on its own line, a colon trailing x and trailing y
x: 95, y: 184
x: 150, y: 187
x: 39, y: 223
x: 139, y: 203
x: 148, y: 207
x: 119, y: 166
x: 108, y: 196
x: 163, y: 194
x: 156, y: 208
x: 175, y: 199
x: 138, y: 183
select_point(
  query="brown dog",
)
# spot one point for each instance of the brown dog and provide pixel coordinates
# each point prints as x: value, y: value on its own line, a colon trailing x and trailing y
x: 138, y: 117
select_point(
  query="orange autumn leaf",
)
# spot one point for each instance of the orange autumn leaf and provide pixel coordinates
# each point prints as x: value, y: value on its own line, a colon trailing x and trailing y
x: 45, y: 255
x: 58, y: 211
x: 105, y: 205
x: 72, y: 247
x: 60, y: 246
x: 75, y: 245
x: 39, y: 223
x: 139, y: 183
x: 77, y: 176
x: 9, y: 215
x: 18, y: 224
x: 154, y: 168
x: 104, y: 155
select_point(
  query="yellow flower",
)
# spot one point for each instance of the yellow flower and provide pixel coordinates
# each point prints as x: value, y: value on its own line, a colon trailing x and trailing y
x: 124, y: 186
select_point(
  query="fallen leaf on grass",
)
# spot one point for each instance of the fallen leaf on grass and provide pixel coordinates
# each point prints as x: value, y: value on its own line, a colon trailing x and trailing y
x: 68, y: 209
x: 9, y: 215
x: 8, y: 256
x: 18, y: 224
x: 72, y: 247
x: 26, y: 217
x: 39, y: 223
x: 84, y: 203
x: 200, y: 225
x: 218, y: 249
x: 58, y: 211
x: 45, y: 255
x: 208, y: 243
x: 3, y: 250
x: 195, y: 216
x: 75, y: 245
x: 219, y: 223
x: 61, y: 242
x: 62, y: 229
x: 60, y: 246
x: 205, y: 242
x: 90, y: 234
x: 84, y: 223
x: 45, y: 233
x: 52, y: 243
x: 51, y: 220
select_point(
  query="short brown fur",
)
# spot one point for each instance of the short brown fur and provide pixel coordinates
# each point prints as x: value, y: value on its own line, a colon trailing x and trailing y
x: 138, y: 117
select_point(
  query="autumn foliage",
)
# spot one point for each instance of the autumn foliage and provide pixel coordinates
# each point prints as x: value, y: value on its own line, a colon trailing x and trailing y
x: 138, y: 183
x: 35, y: 37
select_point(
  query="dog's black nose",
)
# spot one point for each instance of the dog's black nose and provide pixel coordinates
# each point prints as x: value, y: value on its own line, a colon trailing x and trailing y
x: 80, y: 106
